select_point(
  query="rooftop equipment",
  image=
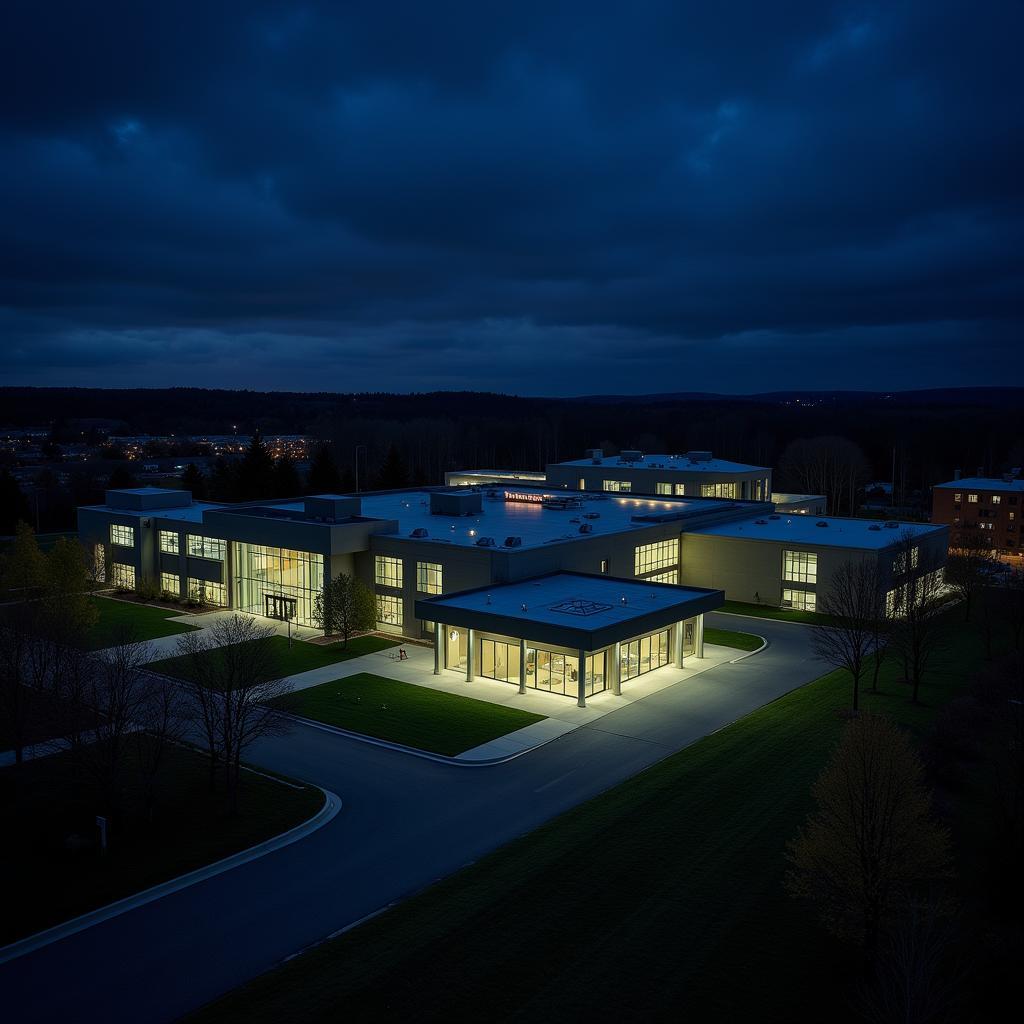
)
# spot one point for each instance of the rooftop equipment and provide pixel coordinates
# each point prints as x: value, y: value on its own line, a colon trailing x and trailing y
x: 513, y: 542
x: 485, y: 542
x: 699, y: 456
x: 456, y: 503
x: 631, y: 455
x: 419, y: 532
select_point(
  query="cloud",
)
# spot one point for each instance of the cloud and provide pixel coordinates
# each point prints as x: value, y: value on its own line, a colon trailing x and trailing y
x: 559, y: 198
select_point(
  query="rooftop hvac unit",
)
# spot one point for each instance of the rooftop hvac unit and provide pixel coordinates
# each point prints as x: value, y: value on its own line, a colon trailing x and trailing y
x: 892, y: 526
x: 586, y: 528
x: 821, y: 522
x: 595, y: 454
x: 631, y: 456
x: 513, y: 542
x: 419, y: 532
x: 699, y: 456
x: 760, y: 522
x: 874, y: 526
x: 775, y: 517
x: 485, y: 542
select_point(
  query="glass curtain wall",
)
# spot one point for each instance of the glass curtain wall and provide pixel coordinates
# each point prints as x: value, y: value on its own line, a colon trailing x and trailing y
x: 278, y: 572
x: 558, y: 672
x: 644, y: 654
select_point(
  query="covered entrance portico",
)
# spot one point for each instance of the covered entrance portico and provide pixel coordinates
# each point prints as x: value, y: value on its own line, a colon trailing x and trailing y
x: 568, y: 633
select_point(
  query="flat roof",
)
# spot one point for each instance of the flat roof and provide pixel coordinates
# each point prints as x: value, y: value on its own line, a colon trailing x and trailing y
x: 499, y: 518
x: 500, y: 474
x: 679, y: 463
x: 984, y: 483
x: 570, y: 609
x: 870, y: 534
x: 191, y: 513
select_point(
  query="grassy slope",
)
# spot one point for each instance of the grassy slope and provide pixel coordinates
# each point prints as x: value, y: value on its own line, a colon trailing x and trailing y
x: 143, y: 621
x: 53, y: 799
x: 445, y: 723
x: 730, y: 638
x: 299, y: 657
x: 662, y: 897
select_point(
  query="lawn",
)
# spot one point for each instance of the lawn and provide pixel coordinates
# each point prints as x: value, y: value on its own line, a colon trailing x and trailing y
x: 763, y: 611
x: 301, y: 656
x: 730, y: 638
x: 661, y: 898
x: 444, y: 723
x: 54, y: 799
x: 118, y: 619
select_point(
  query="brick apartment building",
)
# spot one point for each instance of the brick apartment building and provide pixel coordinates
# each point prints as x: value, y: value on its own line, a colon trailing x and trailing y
x: 989, y: 507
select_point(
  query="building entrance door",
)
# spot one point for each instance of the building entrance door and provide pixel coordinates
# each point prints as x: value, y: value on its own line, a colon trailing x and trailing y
x: 278, y: 606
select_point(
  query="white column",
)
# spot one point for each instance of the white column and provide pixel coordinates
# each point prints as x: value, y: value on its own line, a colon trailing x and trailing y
x: 677, y: 644
x: 522, y: 665
x: 581, y: 666
x: 470, y: 645
x: 438, y: 640
x: 698, y: 636
x: 616, y: 669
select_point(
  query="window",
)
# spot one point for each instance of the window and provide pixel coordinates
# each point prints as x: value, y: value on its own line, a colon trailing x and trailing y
x: 206, y: 547
x: 958, y: 496
x: 389, y: 610
x: 122, y: 576
x: 664, y: 577
x: 169, y: 542
x: 263, y: 574
x: 583, y: 483
x: 207, y: 592
x: 663, y: 554
x: 123, y: 535
x: 170, y: 582
x: 804, y: 600
x: 617, y: 485
x: 915, y: 556
x: 643, y: 655
x: 1013, y: 515
x: 604, y: 565
x: 387, y: 571
x: 428, y: 577
x: 972, y: 499
x: 680, y: 490
x: 662, y: 488
x: 800, y: 566
x: 718, y: 490
x: 996, y: 499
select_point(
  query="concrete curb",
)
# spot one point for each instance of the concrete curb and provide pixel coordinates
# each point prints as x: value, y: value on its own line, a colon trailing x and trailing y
x: 765, y: 644
x: 332, y: 805
x: 424, y: 755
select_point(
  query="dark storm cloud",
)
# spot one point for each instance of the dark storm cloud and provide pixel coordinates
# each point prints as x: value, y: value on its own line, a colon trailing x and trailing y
x: 548, y: 198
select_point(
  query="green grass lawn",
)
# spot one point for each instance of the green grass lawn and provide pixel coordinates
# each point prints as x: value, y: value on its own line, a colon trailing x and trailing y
x: 53, y: 798
x: 444, y: 723
x: 762, y: 611
x: 730, y: 638
x: 141, y: 621
x: 301, y: 656
x: 662, y: 898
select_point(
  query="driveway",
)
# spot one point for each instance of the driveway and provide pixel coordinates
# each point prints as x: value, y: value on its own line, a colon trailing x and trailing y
x: 406, y: 823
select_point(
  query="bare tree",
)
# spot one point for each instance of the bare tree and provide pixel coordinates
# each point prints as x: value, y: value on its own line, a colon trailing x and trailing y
x: 872, y: 839
x: 970, y: 567
x: 833, y: 466
x: 854, y: 604
x: 918, y: 631
x: 233, y: 676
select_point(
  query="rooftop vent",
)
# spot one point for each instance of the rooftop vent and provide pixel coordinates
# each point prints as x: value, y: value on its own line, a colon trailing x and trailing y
x: 631, y: 455
x: 595, y: 455
x: 485, y: 542
x: 821, y: 522
x: 761, y: 522
x: 874, y: 526
x: 775, y: 517
x: 892, y: 525
x: 586, y: 528
x: 513, y: 542
x: 419, y: 532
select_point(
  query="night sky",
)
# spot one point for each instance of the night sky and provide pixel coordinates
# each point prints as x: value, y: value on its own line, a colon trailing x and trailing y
x: 545, y: 198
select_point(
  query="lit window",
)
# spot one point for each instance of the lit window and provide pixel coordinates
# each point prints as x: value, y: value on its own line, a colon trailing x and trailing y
x: 915, y: 556
x: 1013, y: 515
x: 996, y: 499
x: 804, y: 600
x: 389, y: 610
x: 958, y: 496
x: 680, y: 490
x: 718, y: 490
x: 800, y: 566
x: 663, y: 554
x: 664, y: 577
x: 662, y: 488
x: 972, y: 499
x: 122, y: 576
x: 617, y: 485
x: 604, y: 565
x: 428, y: 577
x: 170, y: 583
x: 169, y: 542
x: 123, y: 535
x: 387, y: 571
x: 206, y: 547
x: 207, y: 593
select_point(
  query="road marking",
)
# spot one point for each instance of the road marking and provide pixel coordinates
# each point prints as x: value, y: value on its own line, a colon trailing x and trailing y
x: 548, y: 785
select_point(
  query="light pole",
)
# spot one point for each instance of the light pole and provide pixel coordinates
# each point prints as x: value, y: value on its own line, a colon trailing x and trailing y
x: 358, y: 447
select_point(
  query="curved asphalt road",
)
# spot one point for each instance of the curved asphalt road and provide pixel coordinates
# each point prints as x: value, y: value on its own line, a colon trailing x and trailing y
x: 406, y: 822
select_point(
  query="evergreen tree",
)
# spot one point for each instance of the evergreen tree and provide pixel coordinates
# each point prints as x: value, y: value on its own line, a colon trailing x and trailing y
x: 193, y: 480
x: 324, y: 477
x: 255, y: 471
x: 223, y: 484
x: 13, y: 503
x: 393, y: 473
x: 121, y: 478
x: 286, y: 479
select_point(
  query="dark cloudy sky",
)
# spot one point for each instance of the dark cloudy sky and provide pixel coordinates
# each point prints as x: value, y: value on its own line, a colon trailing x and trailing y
x: 543, y: 198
